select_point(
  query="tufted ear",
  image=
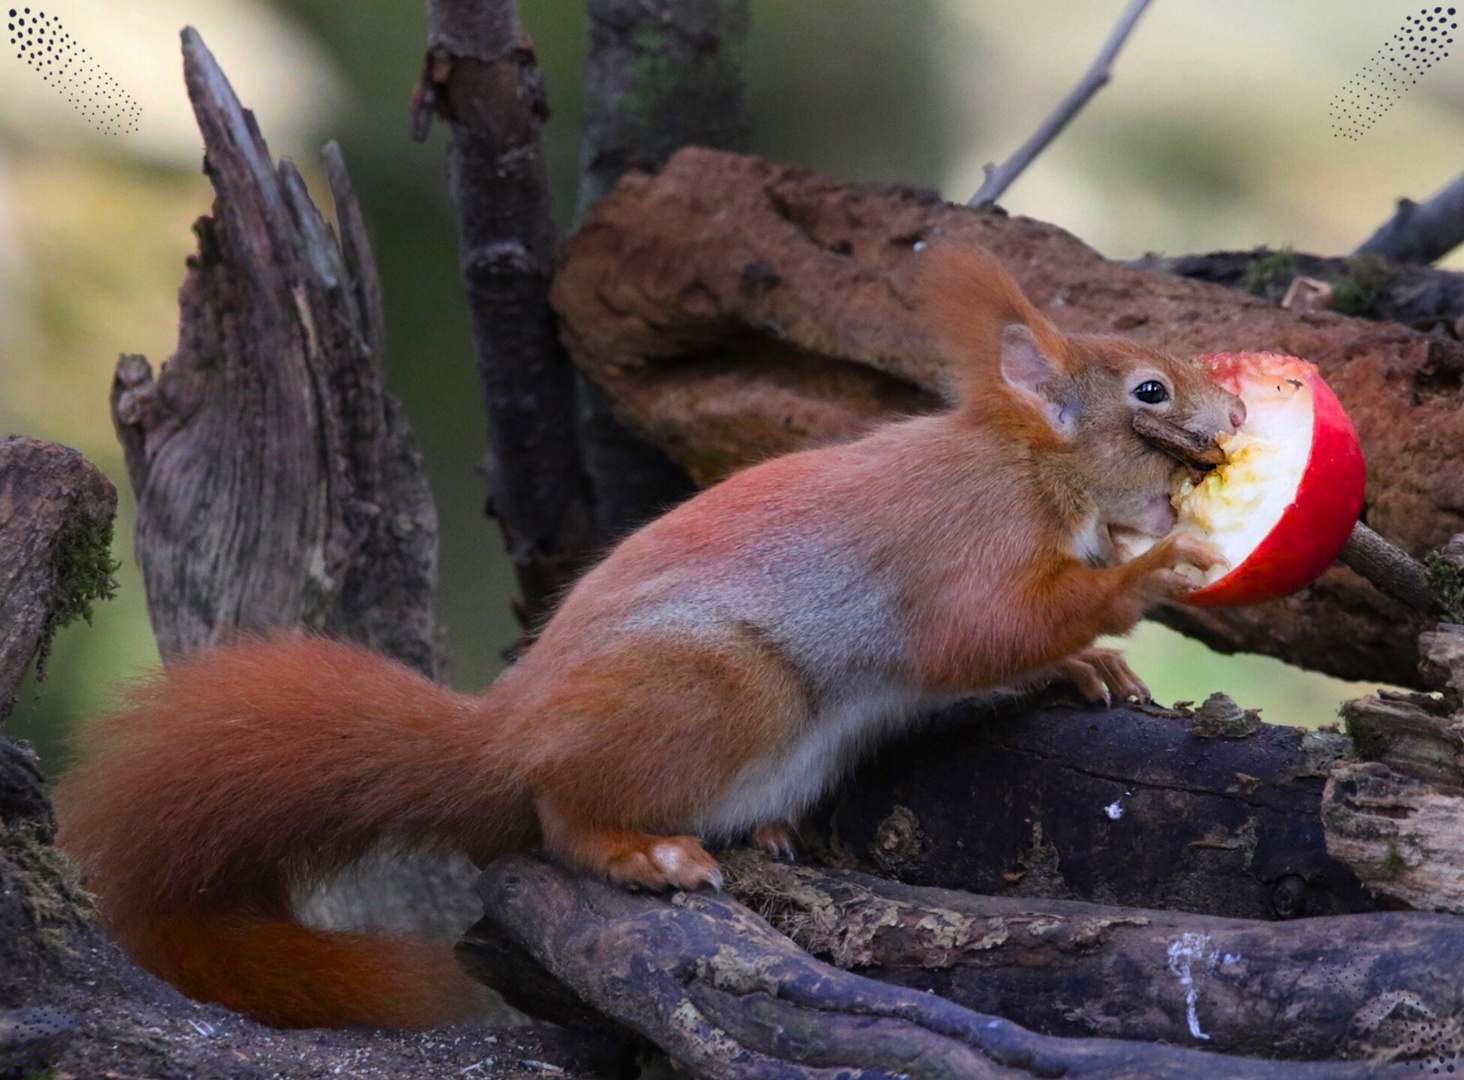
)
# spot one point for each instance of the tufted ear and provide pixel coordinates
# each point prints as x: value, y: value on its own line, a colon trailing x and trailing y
x: 1037, y: 377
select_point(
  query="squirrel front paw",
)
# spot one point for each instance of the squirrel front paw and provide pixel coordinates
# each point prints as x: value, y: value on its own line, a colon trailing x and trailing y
x: 1159, y: 567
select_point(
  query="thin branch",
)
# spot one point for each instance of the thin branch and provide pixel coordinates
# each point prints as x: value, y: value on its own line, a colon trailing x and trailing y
x: 1390, y: 568
x: 1421, y: 233
x: 1000, y: 177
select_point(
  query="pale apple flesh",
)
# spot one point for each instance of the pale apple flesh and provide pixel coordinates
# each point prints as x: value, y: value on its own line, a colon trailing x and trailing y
x: 1283, y: 503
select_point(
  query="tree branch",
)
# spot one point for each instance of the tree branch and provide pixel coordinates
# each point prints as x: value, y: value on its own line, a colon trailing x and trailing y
x: 1421, y: 232
x: 1000, y: 177
x: 481, y: 77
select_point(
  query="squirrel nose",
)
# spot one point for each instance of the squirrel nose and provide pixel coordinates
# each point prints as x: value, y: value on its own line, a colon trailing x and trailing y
x: 1237, y: 415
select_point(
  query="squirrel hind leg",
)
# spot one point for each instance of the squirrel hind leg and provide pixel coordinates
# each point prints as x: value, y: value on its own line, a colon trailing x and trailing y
x: 626, y: 857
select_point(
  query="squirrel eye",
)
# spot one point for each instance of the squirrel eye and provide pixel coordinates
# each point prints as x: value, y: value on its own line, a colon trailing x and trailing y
x: 1151, y: 392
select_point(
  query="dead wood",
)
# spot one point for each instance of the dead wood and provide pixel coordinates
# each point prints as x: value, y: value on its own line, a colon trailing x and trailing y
x: 1209, y: 811
x: 1365, y: 285
x: 1353, y: 986
x: 732, y: 308
x: 56, y: 512
x: 277, y: 484
x: 1421, y: 232
x: 481, y: 77
x: 727, y: 996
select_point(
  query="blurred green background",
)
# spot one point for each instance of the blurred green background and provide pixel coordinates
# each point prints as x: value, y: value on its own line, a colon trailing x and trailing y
x: 1214, y: 134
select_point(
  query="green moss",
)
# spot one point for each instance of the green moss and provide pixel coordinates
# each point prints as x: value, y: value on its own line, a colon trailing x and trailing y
x: 84, y: 566
x: 1393, y: 863
x: 48, y: 882
x: 1355, y: 292
x: 1268, y: 269
x: 1446, y: 579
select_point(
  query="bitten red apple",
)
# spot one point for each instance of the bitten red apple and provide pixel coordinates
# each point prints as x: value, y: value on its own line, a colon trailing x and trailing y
x: 1282, y: 505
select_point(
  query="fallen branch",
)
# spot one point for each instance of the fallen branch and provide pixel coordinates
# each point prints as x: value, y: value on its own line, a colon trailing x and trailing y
x: 727, y: 996
x: 1206, y: 810
x: 1353, y: 986
x: 1000, y: 177
x: 1421, y: 232
x: 732, y: 309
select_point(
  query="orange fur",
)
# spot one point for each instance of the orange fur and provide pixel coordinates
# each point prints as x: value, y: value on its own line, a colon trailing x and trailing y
x: 710, y: 678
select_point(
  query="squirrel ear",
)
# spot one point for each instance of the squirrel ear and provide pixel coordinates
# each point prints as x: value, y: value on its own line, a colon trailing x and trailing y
x: 1036, y: 377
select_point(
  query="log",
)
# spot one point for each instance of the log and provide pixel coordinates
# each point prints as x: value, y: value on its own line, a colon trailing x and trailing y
x: 1211, y: 811
x: 56, y: 511
x: 732, y: 308
x: 277, y: 484
x: 1368, y: 286
x: 482, y: 78
x: 1397, y: 818
x: 1353, y: 986
x: 727, y: 996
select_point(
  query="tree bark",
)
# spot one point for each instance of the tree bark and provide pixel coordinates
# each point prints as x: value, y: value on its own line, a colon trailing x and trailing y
x: 660, y: 76
x: 277, y: 484
x: 1210, y: 812
x: 1353, y: 986
x: 732, y: 309
x: 1421, y: 232
x: 56, y: 511
x: 482, y: 78
x: 727, y: 996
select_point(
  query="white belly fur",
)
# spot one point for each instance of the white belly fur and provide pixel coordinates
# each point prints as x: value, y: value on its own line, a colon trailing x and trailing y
x: 782, y: 785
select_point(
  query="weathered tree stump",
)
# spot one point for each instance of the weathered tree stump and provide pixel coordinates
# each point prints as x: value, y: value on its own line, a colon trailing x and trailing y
x: 732, y: 308
x: 279, y: 486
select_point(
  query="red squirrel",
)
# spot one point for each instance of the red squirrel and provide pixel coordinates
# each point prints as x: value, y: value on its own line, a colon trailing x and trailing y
x: 707, y: 681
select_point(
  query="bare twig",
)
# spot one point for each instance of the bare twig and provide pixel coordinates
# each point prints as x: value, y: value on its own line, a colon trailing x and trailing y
x: 1421, y: 232
x: 1390, y: 568
x: 1000, y: 177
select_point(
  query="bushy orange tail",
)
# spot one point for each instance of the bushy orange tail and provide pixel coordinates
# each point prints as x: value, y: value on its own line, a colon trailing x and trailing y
x: 259, y: 769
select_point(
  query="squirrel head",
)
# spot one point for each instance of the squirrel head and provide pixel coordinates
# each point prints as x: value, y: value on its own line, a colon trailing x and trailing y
x: 1073, y: 399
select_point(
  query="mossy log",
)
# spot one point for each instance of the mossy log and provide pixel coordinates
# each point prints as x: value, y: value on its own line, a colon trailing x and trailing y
x: 732, y: 308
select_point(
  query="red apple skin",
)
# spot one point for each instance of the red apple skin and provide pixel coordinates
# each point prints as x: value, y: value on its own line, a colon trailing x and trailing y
x: 1315, y: 527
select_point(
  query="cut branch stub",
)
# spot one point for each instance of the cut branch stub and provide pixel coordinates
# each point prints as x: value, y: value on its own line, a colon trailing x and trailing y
x: 278, y: 486
x: 56, y: 512
x: 732, y: 308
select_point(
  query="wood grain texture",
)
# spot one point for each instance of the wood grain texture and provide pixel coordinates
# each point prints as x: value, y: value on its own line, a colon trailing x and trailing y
x: 278, y: 485
x: 733, y: 308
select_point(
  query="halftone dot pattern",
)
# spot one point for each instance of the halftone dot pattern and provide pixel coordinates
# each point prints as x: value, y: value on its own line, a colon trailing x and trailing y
x: 43, y: 43
x: 1394, y: 69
